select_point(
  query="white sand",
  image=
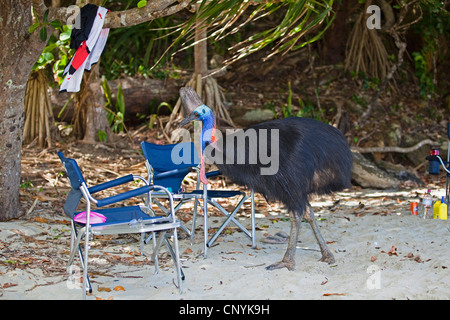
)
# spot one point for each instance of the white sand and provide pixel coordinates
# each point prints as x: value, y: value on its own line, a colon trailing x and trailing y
x: 233, y: 270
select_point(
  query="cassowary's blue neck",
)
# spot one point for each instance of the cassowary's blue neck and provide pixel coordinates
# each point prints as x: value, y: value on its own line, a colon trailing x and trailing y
x: 206, y: 116
x: 208, y: 130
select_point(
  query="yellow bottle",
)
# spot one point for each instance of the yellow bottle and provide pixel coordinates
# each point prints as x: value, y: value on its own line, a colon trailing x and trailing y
x: 443, y: 210
x: 436, y: 206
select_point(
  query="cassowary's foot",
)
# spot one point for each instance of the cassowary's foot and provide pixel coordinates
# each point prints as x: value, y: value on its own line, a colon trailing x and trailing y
x: 327, y: 257
x: 290, y: 265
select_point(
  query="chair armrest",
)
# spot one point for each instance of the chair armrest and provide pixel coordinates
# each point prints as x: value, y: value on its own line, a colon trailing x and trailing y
x: 171, y: 173
x: 110, y: 184
x: 124, y: 196
x: 213, y: 174
x: 208, y: 174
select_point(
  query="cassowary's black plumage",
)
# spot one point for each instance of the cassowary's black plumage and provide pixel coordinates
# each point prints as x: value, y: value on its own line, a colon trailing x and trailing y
x: 314, y: 158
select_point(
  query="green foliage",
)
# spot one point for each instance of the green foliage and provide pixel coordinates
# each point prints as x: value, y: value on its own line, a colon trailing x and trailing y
x: 115, y: 117
x: 136, y: 51
x: 426, y: 84
x: 102, y: 136
x: 222, y: 18
x: 43, y: 25
x: 304, y: 109
x: 141, y: 4
x: 57, y: 52
x: 433, y: 27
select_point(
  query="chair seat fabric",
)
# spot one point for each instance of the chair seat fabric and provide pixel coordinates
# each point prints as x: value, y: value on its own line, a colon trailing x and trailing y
x: 121, y: 215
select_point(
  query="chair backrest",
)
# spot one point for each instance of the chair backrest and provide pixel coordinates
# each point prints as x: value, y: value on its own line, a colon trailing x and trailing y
x: 73, y: 171
x: 164, y: 158
x: 76, y: 179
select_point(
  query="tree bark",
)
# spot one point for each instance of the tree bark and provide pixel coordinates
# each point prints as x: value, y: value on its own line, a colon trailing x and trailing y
x: 20, y: 51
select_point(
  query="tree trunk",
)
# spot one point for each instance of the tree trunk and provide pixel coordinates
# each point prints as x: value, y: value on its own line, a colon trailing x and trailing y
x: 20, y: 51
x: 201, y: 50
x: 334, y: 40
x: 90, y: 116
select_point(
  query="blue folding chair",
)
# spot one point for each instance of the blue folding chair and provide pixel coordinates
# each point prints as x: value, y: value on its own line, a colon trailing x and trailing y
x: 119, y: 220
x: 168, y: 165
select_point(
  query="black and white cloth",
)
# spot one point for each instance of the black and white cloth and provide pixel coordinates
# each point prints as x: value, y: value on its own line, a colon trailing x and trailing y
x: 89, y: 42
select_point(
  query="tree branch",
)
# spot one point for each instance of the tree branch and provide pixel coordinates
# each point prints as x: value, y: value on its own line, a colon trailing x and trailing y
x: 130, y: 17
x: 39, y: 7
x: 395, y: 149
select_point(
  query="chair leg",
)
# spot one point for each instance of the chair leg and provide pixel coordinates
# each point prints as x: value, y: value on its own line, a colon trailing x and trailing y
x: 205, y: 223
x: 174, y: 255
x: 194, y: 220
x: 76, y: 247
x: 85, y: 264
x: 180, y: 275
x: 253, y: 220
x: 156, y: 246
x: 230, y: 217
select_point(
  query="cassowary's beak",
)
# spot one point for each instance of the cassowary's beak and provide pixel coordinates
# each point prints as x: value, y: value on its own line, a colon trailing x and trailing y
x: 193, y: 116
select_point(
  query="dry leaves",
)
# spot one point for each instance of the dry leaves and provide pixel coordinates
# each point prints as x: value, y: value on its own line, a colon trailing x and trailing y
x: 392, y: 252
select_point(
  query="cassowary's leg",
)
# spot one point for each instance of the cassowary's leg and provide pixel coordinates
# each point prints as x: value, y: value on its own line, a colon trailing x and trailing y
x: 327, y: 256
x: 289, y: 257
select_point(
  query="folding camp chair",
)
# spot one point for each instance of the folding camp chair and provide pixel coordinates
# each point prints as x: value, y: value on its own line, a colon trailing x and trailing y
x: 168, y: 165
x: 116, y: 220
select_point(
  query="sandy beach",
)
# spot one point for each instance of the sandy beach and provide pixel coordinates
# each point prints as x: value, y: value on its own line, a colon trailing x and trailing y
x: 381, y: 252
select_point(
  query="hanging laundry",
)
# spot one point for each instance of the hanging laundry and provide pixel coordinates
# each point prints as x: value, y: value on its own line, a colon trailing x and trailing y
x: 89, y: 42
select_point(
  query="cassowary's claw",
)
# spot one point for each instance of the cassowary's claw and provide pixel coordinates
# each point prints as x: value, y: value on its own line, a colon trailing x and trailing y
x: 290, y: 265
x: 327, y: 257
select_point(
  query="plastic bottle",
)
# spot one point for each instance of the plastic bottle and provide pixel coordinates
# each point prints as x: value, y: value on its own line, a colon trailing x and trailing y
x: 436, y: 209
x: 443, y: 210
x: 427, y: 203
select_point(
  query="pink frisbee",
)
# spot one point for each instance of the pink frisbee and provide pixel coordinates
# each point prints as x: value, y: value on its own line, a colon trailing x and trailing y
x: 95, y: 218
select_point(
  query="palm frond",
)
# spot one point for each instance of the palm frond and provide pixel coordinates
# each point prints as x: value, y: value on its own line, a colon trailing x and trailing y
x: 302, y: 17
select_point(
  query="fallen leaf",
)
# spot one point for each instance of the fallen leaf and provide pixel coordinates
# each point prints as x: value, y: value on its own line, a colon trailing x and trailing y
x: 104, y: 289
x: 119, y: 288
x: 333, y: 294
x: 187, y: 251
x: 8, y: 285
x: 391, y: 252
x: 41, y: 220
x: 373, y: 258
x: 109, y: 298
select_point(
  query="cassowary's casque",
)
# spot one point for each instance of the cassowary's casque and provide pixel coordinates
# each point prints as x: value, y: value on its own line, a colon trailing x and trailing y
x: 314, y: 158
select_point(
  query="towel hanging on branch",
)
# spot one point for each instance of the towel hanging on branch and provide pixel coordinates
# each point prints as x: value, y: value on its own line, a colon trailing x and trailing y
x: 89, y: 41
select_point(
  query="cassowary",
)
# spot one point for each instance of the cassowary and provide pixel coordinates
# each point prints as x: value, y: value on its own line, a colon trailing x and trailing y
x: 314, y: 158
